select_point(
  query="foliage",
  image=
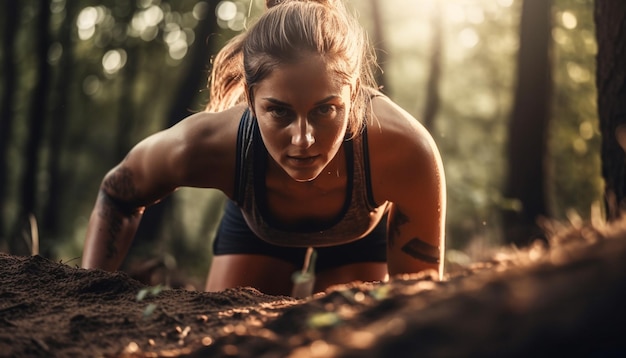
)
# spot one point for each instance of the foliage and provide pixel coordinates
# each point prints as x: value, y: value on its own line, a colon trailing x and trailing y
x: 480, y: 46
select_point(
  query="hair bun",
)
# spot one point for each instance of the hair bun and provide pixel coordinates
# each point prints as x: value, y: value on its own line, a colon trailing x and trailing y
x: 272, y: 3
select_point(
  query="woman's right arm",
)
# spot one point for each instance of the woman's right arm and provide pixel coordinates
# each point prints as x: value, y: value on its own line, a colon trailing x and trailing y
x: 188, y: 154
x: 113, y: 221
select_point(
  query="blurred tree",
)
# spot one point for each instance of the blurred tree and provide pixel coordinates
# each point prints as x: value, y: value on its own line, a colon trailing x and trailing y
x: 128, y: 76
x: 433, y: 99
x: 527, y: 142
x: 575, y: 182
x: 9, y: 33
x: 60, y: 103
x: 379, y: 46
x: 610, y: 19
x: 35, y: 126
x: 185, y: 101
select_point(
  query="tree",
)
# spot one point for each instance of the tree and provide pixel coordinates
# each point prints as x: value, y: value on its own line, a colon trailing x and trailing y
x: 36, y: 122
x: 182, y: 105
x: 610, y: 17
x: 11, y: 14
x: 379, y: 46
x: 434, y: 75
x: 59, y: 105
x: 526, y: 151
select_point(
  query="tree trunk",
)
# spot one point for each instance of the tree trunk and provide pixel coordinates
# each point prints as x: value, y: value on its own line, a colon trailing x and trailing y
x: 10, y: 16
x: 527, y: 143
x: 36, y: 121
x: 379, y: 46
x: 193, y: 80
x: 434, y: 76
x: 60, y: 102
x: 610, y: 20
x: 126, y: 109
x: 188, y: 90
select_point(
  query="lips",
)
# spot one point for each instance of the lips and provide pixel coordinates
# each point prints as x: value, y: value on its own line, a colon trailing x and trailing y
x: 302, y: 161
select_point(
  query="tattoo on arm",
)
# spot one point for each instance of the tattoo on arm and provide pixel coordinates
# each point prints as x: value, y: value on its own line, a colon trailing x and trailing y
x: 117, y: 194
x: 398, y: 219
x: 416, y: 248
x: 113, y: 219
x: 120, y: 183
x: 421, y: 250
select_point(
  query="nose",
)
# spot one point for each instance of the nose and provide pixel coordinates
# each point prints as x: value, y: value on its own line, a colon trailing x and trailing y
x: 302, y: 135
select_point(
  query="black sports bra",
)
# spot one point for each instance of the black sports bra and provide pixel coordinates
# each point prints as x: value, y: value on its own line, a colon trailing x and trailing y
x: 360, y: 213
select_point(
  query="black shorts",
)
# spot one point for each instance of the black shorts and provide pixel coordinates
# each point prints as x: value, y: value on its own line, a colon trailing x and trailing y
x: 235, y: 237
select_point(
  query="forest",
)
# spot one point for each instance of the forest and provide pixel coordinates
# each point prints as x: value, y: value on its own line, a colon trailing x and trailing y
x: 512, y: 91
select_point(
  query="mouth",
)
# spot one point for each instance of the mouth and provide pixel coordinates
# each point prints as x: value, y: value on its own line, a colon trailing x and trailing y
x: 302, y: 160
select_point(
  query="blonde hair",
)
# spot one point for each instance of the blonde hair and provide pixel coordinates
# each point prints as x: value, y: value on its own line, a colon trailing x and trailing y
x: 226, y: 78
x: 286, y: 33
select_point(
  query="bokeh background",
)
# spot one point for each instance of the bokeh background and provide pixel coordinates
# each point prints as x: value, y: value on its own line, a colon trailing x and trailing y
x: 82, y: 81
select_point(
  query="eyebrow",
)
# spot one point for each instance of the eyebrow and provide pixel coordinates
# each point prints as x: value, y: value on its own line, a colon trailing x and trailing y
x: 275, y: 101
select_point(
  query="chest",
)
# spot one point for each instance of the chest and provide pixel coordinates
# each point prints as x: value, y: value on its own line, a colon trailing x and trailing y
x: 318, y: 203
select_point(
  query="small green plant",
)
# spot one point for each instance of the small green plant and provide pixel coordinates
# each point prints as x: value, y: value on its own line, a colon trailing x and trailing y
x: 149, y: 291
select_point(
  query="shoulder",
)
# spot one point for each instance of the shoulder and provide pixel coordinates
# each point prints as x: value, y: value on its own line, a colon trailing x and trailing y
x: 208, y: 130
x: 202, y: 148
x: 393, y: 130
x: 403, y: 154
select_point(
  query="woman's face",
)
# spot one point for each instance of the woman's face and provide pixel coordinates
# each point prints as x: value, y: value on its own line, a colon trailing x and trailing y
x: 302, y: 110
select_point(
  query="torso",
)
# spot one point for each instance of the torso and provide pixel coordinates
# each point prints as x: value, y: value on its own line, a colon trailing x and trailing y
x: 330, y: 210
x: 321, y: 201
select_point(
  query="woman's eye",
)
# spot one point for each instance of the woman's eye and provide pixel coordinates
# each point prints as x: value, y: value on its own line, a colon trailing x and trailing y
x: 326, y: 109
x: 278, y: 112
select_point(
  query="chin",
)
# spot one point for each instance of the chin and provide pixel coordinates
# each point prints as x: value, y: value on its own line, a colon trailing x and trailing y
x: 304, y: 177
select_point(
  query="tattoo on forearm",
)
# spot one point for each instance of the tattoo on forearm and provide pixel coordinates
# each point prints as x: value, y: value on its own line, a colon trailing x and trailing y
x: 421, y: 250
x: 116, y: 195
x: 114, y: 224
x: 398, y: 219
x: 120, y: 183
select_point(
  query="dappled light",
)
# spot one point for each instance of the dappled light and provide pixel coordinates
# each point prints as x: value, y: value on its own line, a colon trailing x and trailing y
x: 569, y: 20
x: 144, y: 23
x: 125, y: 63
x: 91, y: 85
x: 82, y: 82
x: 113, y: 61
x: 468, y: 38
x: 232, y: 15
x: 87, y: 20
x: 148, y: 43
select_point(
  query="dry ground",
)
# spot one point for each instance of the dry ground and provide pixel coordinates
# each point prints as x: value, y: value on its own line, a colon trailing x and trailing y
x: 566, y: 300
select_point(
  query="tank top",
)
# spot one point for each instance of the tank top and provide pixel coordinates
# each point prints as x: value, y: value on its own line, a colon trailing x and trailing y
x: 359, y: 215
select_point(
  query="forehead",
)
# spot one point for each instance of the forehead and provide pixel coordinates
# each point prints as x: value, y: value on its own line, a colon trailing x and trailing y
x: 310, y: 78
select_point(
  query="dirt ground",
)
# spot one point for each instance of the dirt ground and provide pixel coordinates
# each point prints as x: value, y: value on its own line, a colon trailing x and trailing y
x: 566, y: 300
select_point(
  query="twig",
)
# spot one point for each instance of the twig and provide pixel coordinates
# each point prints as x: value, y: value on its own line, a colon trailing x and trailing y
x: 41, y: 344
x: 34, y: 234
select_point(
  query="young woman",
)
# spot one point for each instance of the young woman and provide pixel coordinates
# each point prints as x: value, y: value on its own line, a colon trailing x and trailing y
x: 315, y: 157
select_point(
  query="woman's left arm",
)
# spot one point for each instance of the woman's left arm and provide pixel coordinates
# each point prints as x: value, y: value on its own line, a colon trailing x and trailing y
x: 410, y: 175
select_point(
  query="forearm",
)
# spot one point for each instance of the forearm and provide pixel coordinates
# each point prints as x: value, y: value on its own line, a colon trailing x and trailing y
x: 110, y: 232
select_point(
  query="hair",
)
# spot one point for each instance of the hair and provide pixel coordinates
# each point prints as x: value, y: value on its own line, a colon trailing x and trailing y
x: 226, y: 78
x: 289, y: 31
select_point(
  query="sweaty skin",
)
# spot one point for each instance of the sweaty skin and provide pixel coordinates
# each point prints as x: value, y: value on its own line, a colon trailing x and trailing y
x: 302, y: 115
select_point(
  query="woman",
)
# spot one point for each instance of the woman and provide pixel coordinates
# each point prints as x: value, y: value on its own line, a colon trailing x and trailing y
x: 315, y: 157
